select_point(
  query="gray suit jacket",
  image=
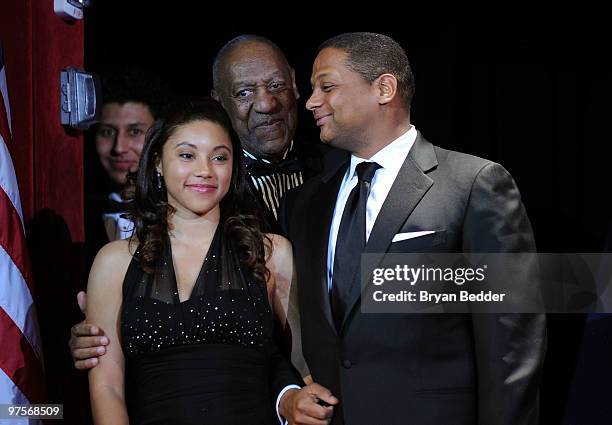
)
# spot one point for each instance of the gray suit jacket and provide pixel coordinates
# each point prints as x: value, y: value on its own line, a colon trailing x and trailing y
x: 416, y: 369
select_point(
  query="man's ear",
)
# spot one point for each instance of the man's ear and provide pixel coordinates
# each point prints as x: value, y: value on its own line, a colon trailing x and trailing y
x: 386, y: 86
x: 296, y: 93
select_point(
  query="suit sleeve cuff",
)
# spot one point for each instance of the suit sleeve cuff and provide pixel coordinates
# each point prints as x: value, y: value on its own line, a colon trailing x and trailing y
x: 278, y: 399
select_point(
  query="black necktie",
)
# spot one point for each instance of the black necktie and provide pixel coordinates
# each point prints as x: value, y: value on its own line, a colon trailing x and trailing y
x: 351, y: 241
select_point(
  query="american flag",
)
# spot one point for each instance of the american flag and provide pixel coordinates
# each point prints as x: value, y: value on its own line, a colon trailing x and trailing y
x: 21, y: 370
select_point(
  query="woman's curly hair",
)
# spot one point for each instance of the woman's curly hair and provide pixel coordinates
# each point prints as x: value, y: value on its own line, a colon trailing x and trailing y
x: 148, y: 199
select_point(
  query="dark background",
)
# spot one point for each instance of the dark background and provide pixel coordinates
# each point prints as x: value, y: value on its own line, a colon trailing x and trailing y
x: 529, y: 90
x: 533, y: 94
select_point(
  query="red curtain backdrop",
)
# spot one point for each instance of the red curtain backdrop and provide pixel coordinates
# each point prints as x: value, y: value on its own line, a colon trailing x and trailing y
x: 48, y: 162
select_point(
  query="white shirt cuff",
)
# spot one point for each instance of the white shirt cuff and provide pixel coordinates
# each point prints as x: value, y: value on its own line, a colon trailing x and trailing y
x: 278, y: 399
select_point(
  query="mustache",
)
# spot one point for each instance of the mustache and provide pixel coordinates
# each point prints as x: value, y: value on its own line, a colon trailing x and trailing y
x: 267, y: 121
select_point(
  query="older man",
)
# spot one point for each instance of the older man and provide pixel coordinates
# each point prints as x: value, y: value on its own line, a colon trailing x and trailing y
x: 254, y: 82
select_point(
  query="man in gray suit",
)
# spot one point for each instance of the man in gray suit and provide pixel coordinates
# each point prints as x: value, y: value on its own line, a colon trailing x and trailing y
x: 430, y: 369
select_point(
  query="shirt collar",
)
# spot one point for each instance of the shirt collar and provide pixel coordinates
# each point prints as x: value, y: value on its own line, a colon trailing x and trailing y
x: 392, y: 156
x: 250, y: 155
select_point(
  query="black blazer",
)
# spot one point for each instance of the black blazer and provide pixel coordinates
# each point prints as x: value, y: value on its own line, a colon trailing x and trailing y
x: 431, y: 368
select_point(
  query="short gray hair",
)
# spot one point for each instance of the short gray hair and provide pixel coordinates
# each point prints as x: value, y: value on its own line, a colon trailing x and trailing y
x: 235, y: 42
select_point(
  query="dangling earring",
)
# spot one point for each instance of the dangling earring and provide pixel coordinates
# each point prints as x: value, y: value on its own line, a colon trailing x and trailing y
x: 159, y: 180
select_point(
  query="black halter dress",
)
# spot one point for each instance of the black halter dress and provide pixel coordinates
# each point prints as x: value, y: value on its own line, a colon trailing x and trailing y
x: 208, y: 360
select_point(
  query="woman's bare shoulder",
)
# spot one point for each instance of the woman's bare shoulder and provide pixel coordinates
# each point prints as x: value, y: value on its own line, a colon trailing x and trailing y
x: 281, y: 247
x: 118, y: 251
x: 111, y: 262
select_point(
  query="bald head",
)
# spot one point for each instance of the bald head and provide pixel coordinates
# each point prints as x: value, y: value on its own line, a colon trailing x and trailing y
x: 243, y: 48
x: 255, y: 84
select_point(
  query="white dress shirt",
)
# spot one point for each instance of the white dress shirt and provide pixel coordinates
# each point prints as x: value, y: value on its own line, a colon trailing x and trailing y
x: 117, y: 227
x: 390, y: 158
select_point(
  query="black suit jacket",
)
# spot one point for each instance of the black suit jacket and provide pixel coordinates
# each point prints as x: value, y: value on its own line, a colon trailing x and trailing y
x: 314, y: 157
x: 429, y: 368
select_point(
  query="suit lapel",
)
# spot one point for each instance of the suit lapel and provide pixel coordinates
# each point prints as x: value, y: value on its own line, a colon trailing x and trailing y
x: 320, y: 213
x: 409, y: 187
